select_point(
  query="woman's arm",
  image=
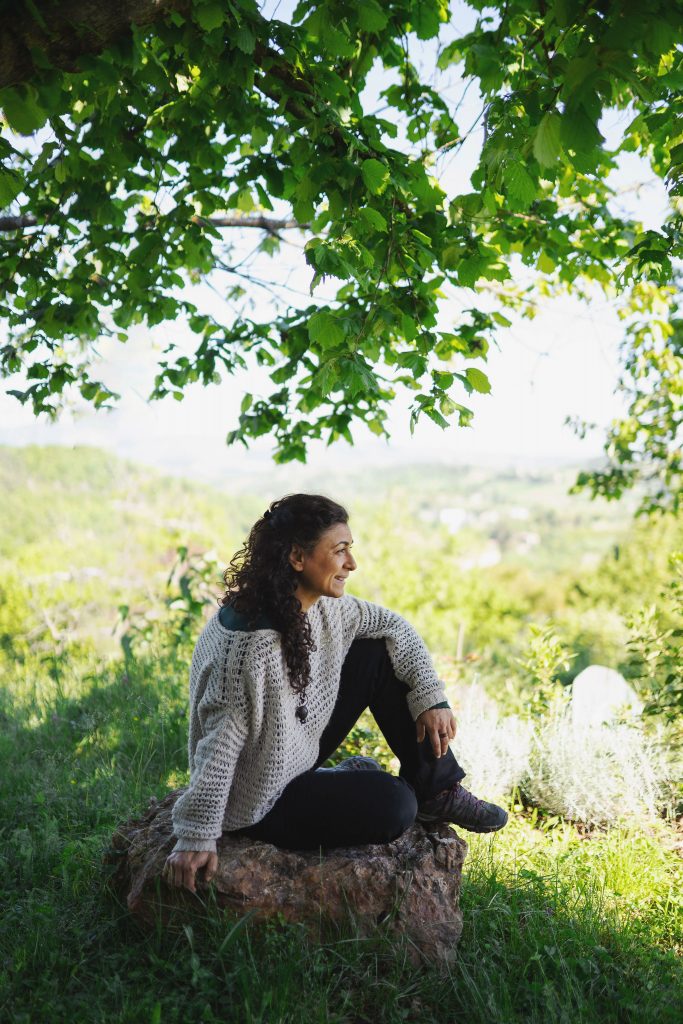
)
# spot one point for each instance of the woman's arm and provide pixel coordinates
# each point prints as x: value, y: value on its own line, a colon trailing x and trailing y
x: 408, y: 653
x: 198, y: 813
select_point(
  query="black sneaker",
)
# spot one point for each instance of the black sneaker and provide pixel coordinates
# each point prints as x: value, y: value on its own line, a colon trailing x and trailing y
x: 460, y: 807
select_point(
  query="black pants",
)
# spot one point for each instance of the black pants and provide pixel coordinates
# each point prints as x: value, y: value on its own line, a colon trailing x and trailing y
x: 350, y: 808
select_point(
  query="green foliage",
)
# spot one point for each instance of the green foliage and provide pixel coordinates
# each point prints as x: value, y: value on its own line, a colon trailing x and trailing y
x: 191, y: 590
x: 646, y: 444
x: 145, y: 144
x: 544, y: 658
x: 656, y: 648
x: 16, y: 620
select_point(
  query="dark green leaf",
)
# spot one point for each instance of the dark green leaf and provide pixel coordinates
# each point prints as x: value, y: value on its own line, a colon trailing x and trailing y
x: 325, y: 329
x: 209, y: 15
x: 20, y: 107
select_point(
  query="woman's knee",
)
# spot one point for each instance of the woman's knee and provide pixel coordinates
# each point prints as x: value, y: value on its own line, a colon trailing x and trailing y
x: 365, y: 652
x: 397, y: 811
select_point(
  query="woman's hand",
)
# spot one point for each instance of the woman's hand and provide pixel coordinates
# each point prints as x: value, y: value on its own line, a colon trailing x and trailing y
x: 181, y: 867
x: 440, y: 725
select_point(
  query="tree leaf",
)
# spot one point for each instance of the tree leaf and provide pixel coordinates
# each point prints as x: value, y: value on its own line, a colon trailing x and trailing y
x: 10, y: 187
x: 579, y: 131
x: 520, y: 184
x: 20, y: 107
x: 325, y: 329
x: 373, y: 218
x: 209, y: 16
x: 547, y: 145
x: 245, y: 39
x: 546, y: 264
x: 371, y: 17
x: 377, y: 427
x: 478, y: 380
x: 442, y: 379
x: 375, y: 175
x: 421, y: 237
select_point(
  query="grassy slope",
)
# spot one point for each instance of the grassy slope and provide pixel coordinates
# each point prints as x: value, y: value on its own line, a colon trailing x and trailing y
x: 558, y: 928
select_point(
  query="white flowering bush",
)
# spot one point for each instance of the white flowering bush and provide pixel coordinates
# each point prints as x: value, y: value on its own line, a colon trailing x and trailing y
x: 493, y: 750
x: 598, y: 774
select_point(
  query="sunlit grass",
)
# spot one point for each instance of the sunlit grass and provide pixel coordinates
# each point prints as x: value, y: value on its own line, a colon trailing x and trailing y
x: 558, y: 926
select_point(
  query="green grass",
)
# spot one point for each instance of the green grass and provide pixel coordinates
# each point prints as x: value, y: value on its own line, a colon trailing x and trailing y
x: 557, y: 927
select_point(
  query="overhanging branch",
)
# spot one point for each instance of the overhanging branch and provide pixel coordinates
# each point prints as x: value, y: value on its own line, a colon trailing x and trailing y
x: 271, y: 224
x: 27, y: 220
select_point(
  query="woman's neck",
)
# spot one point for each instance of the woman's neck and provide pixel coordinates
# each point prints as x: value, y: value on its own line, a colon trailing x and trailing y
x: 306, y: 600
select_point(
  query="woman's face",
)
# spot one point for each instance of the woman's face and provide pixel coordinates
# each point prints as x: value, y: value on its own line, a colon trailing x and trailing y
x: 323, y: 572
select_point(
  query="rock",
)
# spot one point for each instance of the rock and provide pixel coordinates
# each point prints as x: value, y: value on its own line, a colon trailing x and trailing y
x: 599, y: 694
x: 410, y: 886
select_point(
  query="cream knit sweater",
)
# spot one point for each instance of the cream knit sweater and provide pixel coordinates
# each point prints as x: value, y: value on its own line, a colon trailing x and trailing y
x: 245, y: 742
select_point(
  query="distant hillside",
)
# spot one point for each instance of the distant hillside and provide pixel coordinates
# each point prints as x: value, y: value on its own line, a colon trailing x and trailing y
x: 86, y: 501
x: 79, y: 505
x: 83, y: 532
x: 67, y: 508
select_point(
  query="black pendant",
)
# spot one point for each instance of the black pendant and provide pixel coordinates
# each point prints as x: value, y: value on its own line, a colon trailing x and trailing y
x: 301, y: 713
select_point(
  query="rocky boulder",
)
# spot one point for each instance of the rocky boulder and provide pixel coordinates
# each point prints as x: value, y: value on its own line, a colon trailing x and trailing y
x: 410, y: 886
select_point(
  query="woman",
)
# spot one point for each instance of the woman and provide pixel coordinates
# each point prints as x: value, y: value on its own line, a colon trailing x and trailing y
x: 280, y: 676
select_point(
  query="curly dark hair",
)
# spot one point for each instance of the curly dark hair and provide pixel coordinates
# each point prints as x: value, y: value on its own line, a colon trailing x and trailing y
x: 260, y: 582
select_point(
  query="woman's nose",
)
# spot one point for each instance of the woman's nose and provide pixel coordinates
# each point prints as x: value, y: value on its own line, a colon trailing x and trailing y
x: 350, y: 562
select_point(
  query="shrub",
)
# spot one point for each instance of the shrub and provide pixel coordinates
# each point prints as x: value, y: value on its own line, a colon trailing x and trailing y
x: 597, y: 774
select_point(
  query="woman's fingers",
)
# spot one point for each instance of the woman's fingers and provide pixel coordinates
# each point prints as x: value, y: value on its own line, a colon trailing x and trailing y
x: 440, y: 725
x: 436, y: 740
x: 167, y: 873
x: 181, y: 868
x: 189, y: 871
x: 211, y: 867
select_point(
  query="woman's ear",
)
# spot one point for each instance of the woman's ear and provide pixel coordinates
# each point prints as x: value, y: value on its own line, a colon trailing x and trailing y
x: 296, y: 558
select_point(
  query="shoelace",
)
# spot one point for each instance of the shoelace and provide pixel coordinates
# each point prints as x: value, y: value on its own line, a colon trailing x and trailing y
x: 466, y: 799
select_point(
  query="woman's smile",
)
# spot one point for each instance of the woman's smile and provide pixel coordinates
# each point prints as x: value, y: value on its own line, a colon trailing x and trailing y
x: 323, y: 572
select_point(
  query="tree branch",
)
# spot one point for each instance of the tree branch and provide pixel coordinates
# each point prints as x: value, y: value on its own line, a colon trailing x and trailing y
x: 271, y: 224
x: 17, y: 223
x: 63, y: 32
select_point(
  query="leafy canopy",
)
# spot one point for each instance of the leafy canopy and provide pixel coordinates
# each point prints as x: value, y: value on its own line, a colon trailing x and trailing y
x: 146, y: 145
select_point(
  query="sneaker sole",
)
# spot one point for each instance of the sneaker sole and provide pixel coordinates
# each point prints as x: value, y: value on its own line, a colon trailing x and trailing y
x: 424, y: 819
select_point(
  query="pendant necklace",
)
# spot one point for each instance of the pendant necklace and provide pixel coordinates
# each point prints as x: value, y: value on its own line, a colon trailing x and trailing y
x: 302, y: 711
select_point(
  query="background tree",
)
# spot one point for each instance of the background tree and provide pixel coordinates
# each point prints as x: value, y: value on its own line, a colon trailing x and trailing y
x: 156, y: 127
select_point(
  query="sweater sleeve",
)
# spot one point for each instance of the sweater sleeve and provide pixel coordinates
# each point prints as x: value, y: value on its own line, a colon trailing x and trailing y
x: 198, y: 813
x: 406, y: 648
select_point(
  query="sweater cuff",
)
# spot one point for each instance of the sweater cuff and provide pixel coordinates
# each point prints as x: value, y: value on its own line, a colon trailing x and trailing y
x: 195, y: 845
x: 421, y: 700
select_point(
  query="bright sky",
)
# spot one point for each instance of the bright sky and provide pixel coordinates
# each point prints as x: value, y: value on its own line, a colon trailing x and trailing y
x: 563, y: 363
